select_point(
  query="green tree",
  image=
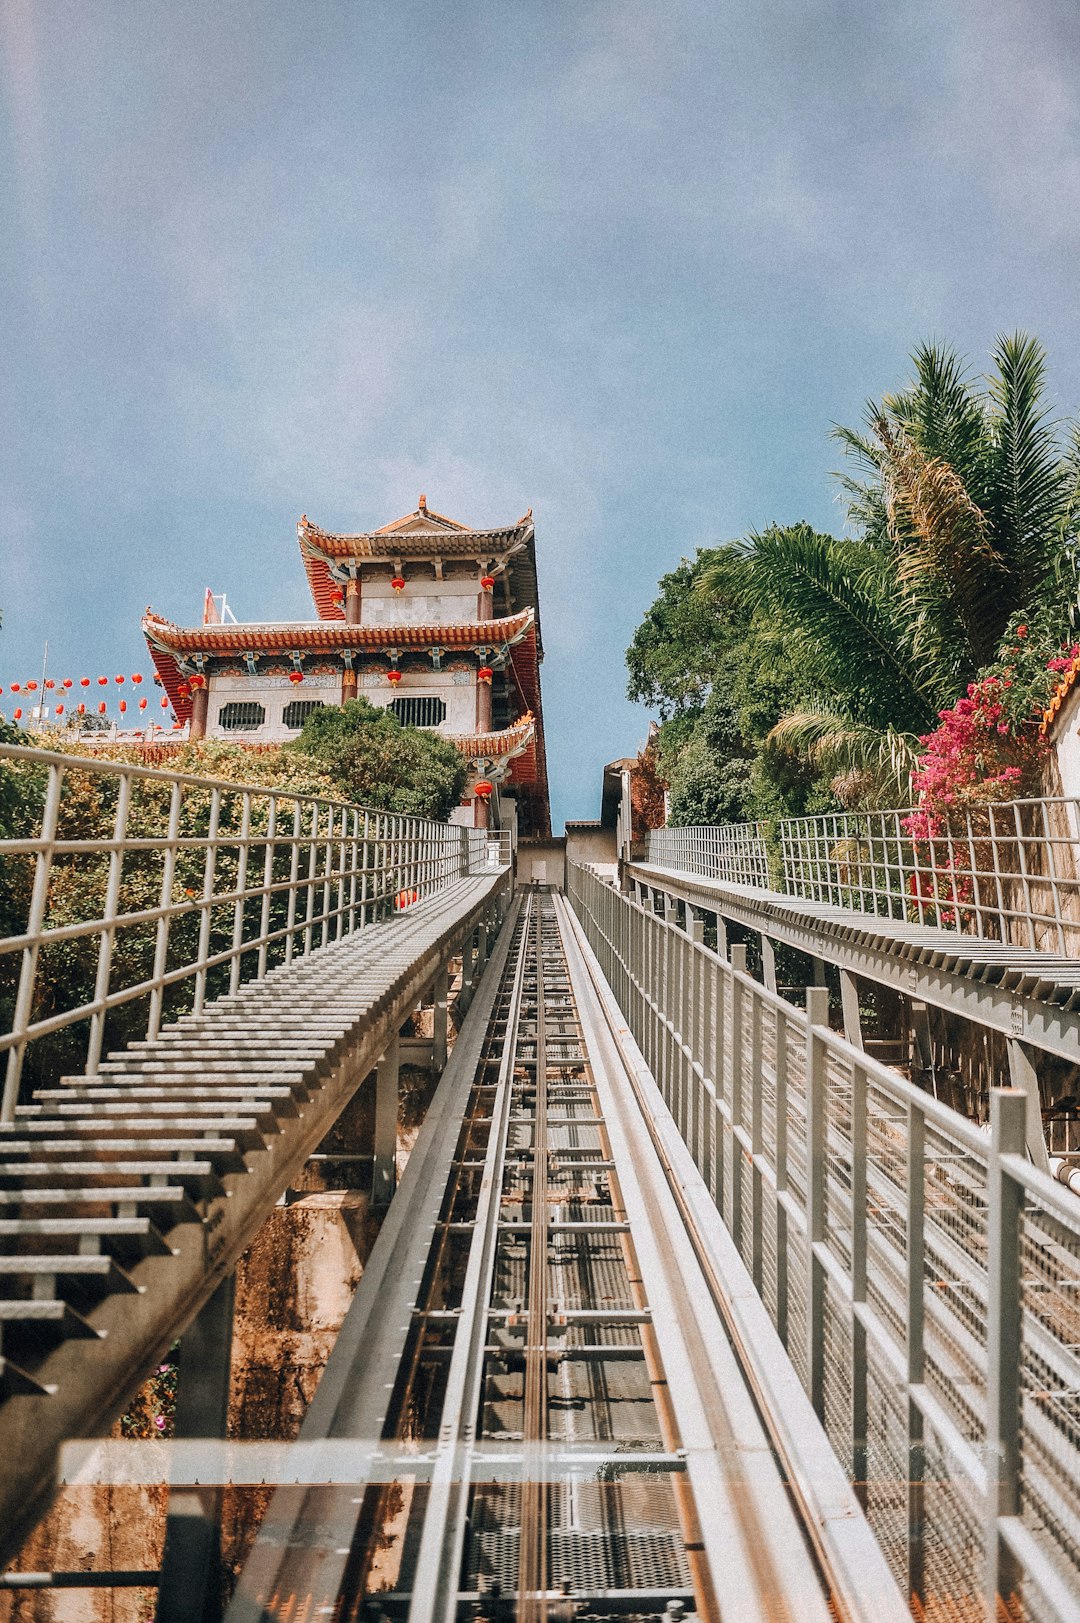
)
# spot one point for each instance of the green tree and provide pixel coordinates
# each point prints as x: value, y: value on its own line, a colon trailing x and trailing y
x: 375, y: 761
x: 967, y: 513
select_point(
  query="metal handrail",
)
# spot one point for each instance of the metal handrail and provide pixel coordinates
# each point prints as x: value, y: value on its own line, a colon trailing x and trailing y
x: 1006, y: 871
x: 198, y: 885
x: 924, y: 1277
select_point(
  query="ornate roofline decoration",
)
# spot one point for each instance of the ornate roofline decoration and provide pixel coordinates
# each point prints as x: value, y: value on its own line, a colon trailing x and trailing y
x: 325, y: 637
x: 501, y: 746
x: 1060, y: 694
x: 421, y: 535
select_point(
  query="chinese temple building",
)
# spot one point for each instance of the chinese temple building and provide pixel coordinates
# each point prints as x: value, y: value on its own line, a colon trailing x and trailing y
x: 427, y: 617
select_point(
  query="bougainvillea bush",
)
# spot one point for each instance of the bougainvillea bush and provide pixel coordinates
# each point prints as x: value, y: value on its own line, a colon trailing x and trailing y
x: 988, y: 748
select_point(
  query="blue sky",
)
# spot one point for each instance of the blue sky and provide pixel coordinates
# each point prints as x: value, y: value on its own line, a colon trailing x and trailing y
x: 624, y: 263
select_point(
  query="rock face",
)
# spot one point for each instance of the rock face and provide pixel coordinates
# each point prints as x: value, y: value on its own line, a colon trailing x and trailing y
x: 293, y: 1290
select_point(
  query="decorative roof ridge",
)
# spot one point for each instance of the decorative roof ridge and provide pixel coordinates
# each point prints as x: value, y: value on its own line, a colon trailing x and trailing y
x: 521, y: 620
x: 1060, y: 694
x: 505, y: 744
x: 311, y: 534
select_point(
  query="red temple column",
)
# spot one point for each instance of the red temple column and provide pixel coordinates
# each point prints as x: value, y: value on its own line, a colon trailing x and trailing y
x: 483, y: 707
x: 485, y: 601
x: 480, y: 812
x: 200, y: 700
x: 352, y: 618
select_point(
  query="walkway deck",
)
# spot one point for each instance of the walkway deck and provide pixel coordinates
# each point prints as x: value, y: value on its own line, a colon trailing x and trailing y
x: 126, y: 1197
x: 1034, y: 996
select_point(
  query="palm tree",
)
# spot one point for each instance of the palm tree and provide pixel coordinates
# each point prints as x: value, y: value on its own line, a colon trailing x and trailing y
x: 966, y: 511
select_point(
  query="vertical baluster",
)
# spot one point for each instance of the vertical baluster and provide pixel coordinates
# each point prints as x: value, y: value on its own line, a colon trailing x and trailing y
x: 915, y: 1282
x: 817, y: 1016
x: 240, y: 903
x: 206, y: 904
x: 108, y: 931
x: 165, y: 899
x: 39, y: 896
x: 268, y: 880
x: 294, y: 875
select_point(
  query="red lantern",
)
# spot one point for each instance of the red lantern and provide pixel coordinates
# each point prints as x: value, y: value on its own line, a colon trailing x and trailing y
x: 337, y: 595
x: 103, y: 681
x: 66, y: 682
x: 142, y: 704
x: 197, y: 681
x: 398, y: 583
x: 102, y: 707
x: 136, y: 680
x: 82, y: 710
x: 176, y: 726
x: 59, y: 710
x: 164, y: 704
x: 119, y: 678
x: 15, y: 687
x: 487, y: 582
x: 18, y: 715
x: 394, y: 677
x: 183, y: 691
x: 31, y: 687
x: 122, y: 706
x: 485, y: 673
x: 84, y: 681
x: 483, y: 790
x: 50, y: 683
x: 296, y: 676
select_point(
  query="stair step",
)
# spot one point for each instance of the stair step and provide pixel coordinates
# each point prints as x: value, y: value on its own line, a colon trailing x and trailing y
x: 30, y: 1330
x: 170, y: 1204
x: 127, y: 1238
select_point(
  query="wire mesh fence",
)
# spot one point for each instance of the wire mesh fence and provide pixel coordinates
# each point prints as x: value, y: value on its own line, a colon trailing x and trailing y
x: 129, y: 895
x: 1007, y: 872
x: 923, y: 1276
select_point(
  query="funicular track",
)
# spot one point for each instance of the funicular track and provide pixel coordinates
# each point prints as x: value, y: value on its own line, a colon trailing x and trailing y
x: 551, y: 1420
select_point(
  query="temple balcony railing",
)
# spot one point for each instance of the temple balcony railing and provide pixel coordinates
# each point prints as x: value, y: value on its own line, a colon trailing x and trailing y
x: 1007, y: 871
x: 130, y: 895
x: 921, y: 1273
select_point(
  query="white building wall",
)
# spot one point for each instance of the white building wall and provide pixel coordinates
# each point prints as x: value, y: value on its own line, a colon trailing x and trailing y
x: 423, y: 602
x: 457, y: 689
x: 1066, y: 737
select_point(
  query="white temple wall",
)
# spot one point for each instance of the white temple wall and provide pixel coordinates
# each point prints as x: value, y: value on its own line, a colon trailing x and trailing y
x: 457, y: 690
x: 424, y: 602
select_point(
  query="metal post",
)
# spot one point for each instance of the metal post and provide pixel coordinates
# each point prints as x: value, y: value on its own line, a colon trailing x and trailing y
x: 1025, y: 1079
x: 817, y: 1015
x: 440, y: 1021
x: 1005, y: 1199
x: 849, y: 998
x: 190, y: 1587
x: 384, y: 1167
x: 768, y: 962
x: 859, y: 1394
x: 916, y: 1312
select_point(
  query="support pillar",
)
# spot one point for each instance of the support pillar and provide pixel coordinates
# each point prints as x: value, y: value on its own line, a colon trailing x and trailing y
x: 768, y: 962
x: 440, y: 1022
x: 352, y: 618
x: 695, y: 927
x: 190, y: 1587
x: 200, y: 703
x: 817, y: 967
x: 721, y: 935
x: 849, y: 999
x: 738, y: 956
x: 671, y: 910
x: 1024, y: 1077
x: 480, y: 812
x: 483, y: 706
x: 924, y: 1048
x: 384, y: 1167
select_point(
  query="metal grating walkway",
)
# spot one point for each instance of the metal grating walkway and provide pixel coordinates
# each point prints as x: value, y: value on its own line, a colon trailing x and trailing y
x: 126, y: 1196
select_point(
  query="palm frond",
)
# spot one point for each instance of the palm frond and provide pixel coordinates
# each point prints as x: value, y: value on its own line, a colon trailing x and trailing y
x: 1031, y: 479
x: 838, y: 601
x: 832, y: 741
x: 942, y: 539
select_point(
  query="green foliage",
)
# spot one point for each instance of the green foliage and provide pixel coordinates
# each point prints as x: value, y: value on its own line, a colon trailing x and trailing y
x: 964, y: 507
x: 375, y: 761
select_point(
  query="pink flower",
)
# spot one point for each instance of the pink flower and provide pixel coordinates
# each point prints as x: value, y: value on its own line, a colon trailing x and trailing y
x: 1021, y: 631
x: 159, y: 1422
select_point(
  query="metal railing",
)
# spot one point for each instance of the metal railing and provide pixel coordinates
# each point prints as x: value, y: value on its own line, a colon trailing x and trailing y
x: 736, y: 853
x: 924, y: 1277
x: 129, y: 895
x: 1007, y: 872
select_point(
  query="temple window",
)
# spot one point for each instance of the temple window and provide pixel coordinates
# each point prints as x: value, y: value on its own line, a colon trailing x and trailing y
x: 416, y: 711
x: 241, y: 717
x: 297, y: 711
